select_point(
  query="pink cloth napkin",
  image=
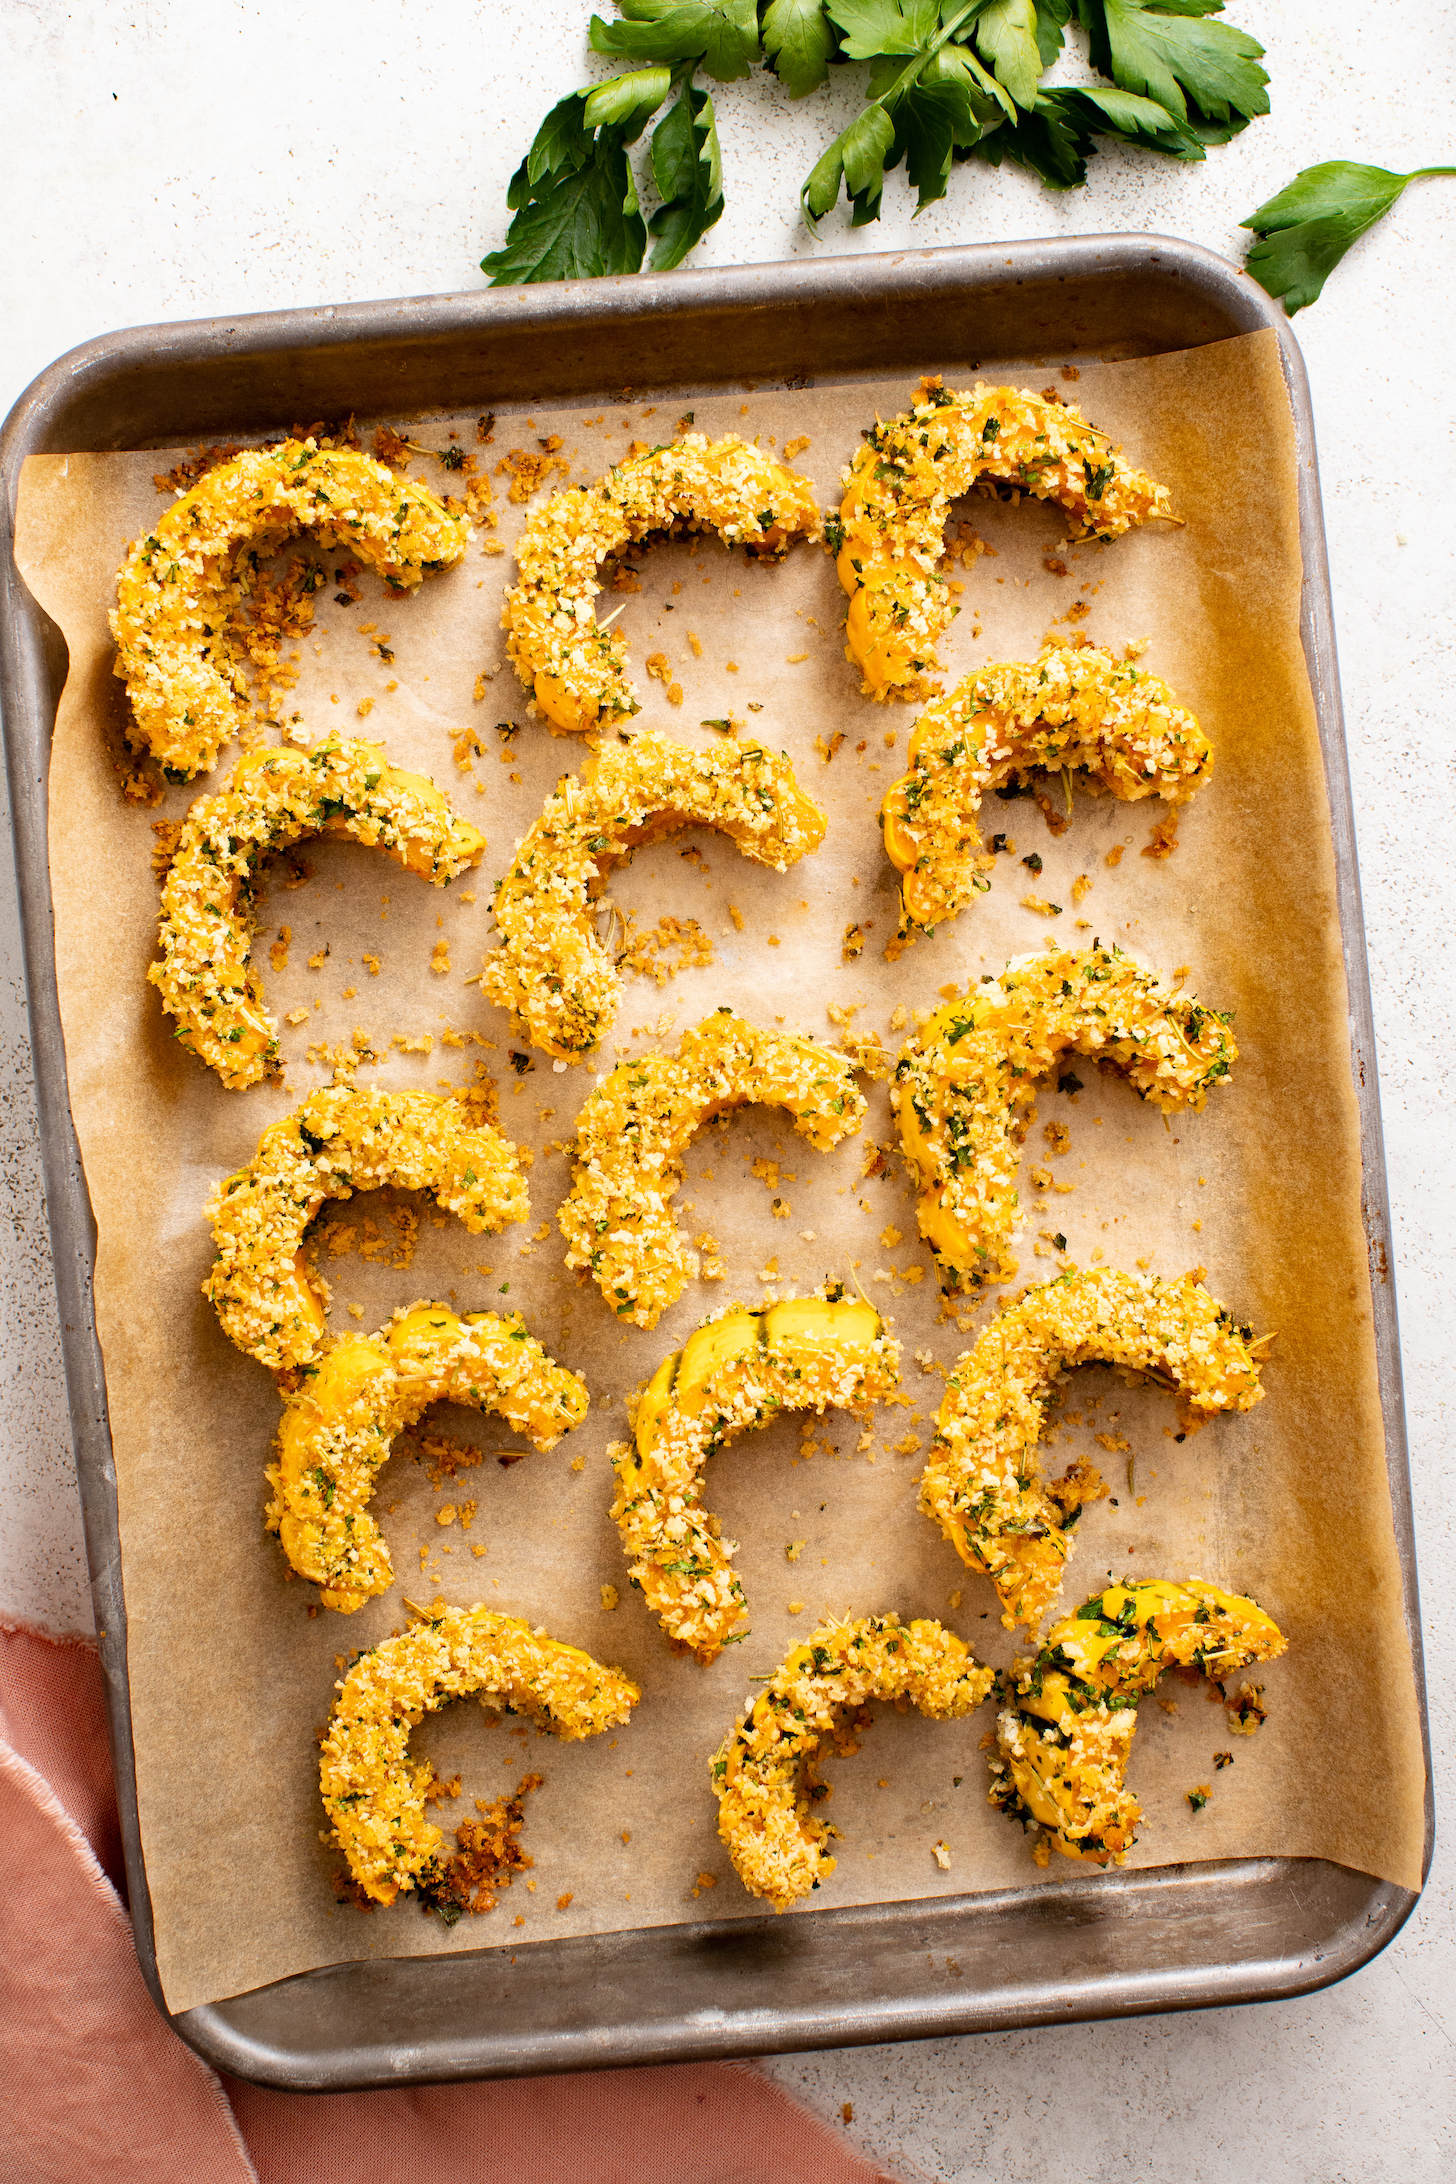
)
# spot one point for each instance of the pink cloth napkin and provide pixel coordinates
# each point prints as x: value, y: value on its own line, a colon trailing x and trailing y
x: 98, y: 2089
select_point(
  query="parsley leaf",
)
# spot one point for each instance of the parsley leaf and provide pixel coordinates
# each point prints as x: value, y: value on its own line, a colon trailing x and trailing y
x: 688, y: 171
x: 1306, y: 230
x: 1169, y: 51
x: 573, y: 195
x: 1006, y: 39
x: 799, y: 40
x: 927, y: 98
x: 722, y: 34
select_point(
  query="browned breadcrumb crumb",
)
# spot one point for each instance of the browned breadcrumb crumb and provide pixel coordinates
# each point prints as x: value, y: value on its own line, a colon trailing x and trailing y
x: 1163, y: 839
x: 651, y: 955
x: 487, y: 1856
x: 192, y: 467
x: 1114, y: 855
x: 529, y: 472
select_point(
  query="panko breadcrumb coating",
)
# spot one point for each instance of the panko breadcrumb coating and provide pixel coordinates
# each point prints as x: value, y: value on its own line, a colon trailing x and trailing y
x: 739, y: 1369
x: 575, y: 666
x: 899, y: 490
x: 778, y: 1848
x: 635, y: 1127
x: 180, y: 589
x: 552, y: 969
x: 338, y: 1428
x: 965, y: 1086
x: 1102, y: 720
x: 374, y: 1794
x: 277, y: 797
x: 1062, y: 1743
x: 983, y: 1483
x: 341, y: 1140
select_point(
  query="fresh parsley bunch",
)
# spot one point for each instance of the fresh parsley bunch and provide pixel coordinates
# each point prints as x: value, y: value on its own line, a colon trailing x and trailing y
x: 948, y: 80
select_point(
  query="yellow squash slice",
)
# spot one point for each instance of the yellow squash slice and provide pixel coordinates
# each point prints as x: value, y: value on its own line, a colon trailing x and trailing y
x: 965, y: 1087
x: 552, y: 968
x: 779, y: 1849
x: 899, y: 488
x: 740, y: 1369
x: 339, y: 1425
x: 983, y: 1483
x: 636, y: 1126
x: 340, y: 1141
x: 277, y: 797
x: 576, y: 666
x: 374, y: 1794
x: 1099, y: 720
x: 181, y: 589
x: 1063, y: 1738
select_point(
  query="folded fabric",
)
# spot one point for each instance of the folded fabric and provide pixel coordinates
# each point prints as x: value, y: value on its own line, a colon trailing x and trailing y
x: 98, y: 2089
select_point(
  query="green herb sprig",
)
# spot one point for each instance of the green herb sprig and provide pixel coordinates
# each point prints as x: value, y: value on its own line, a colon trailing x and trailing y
x: 1306, y: 230
x: 948, y: 81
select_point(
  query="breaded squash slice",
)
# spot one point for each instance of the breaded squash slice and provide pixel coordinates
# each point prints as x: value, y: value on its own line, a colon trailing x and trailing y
x: 1104, y: 722
x: 374, y: 1794
x: 276, y: 797
x: 552, y: 969
x: 898, y: 491
x: 635, y: 1127
x: 181, y: 588
x: 965, y: 1086
x: 341, y: 1140
x: 339, y: 1425
x: 1064, y: 1736
x: 983, y: 1483
x: 740, y: 1369
x: 779, y: 1849
x: 576, y: 667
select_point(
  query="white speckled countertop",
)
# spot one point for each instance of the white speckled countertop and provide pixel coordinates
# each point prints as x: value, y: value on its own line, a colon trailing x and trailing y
x: 176, y: 158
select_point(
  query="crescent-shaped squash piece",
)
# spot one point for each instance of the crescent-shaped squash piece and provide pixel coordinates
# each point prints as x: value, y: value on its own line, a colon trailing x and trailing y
x: 637, y: 1124
x: 965, y: 1086
x: 1104, y: 721
x: 983, y: 1483
x: 576, y: 667
x: 1063, y: 1738
x: 374, y: 1794
x: 740, y: 1369
x: 181, y: 588
x: 779, y: 1850
x: 341, y: 1140
x: 276, y: 797
x: 899, y: 488
x: 338, y: 1428
x: 552, y: 968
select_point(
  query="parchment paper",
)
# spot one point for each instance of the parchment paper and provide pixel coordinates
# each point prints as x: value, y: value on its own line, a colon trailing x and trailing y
x: 232, y: 1672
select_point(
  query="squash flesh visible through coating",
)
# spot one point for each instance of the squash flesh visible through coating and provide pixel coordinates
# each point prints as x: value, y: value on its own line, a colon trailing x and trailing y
x: 983, y: 1483
x: 552, y: 970
x: 899, y: 489
x: 374, y: 1794
x: 965, y: 1087
x: 1112, y: 724
x: 338, y: 1428
x: 576, y: 667
x: 737, y: 1371
x: 1062, y: 1744
x: 636, y: 1125
x: 277, y: 797
x: 339, y: 1141
x: 180, y: 590
x: 779, y: 1849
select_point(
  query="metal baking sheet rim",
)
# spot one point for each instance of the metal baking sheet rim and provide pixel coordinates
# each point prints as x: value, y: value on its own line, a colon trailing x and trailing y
x: 1175, y: 1937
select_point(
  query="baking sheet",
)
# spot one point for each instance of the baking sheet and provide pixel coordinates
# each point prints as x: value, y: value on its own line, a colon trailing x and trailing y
x: 1290, y: 1503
